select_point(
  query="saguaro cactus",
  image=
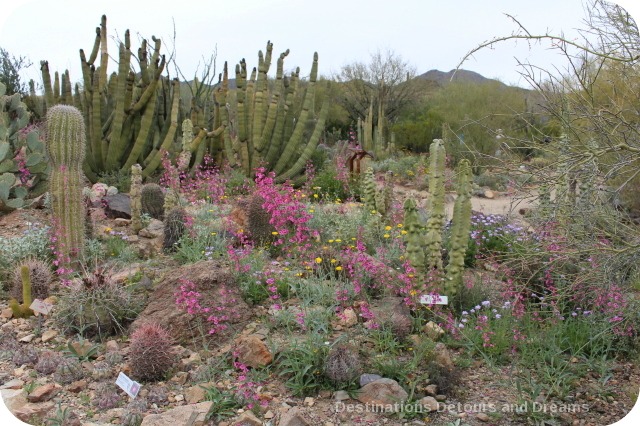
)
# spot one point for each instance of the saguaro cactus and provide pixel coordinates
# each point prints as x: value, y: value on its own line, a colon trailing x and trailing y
x: 66, y: 140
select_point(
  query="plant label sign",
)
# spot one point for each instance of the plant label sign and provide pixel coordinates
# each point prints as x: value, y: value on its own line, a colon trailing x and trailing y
x: 131, y: 387
x: 41, y: 307
x: 428, y: 299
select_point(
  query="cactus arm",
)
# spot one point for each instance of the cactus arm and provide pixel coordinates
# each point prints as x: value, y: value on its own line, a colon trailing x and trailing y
x: 460, y: 229
x: 155, y: 160
x: 296, y: 137
x: 142, y: 139
x: 116, y: 142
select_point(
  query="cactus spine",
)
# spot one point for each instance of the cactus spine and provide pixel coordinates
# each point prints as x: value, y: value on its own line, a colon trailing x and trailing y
x: 66, y: 146
x: 135, y: 195
x: 437, y: 218
x: 460, y: 229
x: 23, y: 310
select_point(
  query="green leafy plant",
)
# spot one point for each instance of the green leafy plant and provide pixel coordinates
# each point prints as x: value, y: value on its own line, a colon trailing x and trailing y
x: 303, y: 364
x: 224, y: 405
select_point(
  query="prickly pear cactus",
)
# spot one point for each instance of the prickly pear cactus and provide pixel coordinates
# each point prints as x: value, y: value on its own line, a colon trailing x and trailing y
x: 23, y: 164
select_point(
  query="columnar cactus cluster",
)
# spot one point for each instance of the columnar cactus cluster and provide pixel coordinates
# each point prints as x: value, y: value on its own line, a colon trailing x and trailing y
x: 374, y: 198
x: 437, y: 217
x: 66, y: 147
x: 369, y: 190
x: 424, y: 244
x: 460, y: 229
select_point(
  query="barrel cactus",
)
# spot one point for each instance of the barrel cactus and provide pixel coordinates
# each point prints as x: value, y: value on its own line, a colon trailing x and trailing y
x: 150, y: 355
x: 342, y: 364
x: 152, y: 200
x: 66, y: 147
x: 174, y: 228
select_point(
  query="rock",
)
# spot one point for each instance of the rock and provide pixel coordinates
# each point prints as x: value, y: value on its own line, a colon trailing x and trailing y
x: 341, y: 395
x: 34, y: 411
x: 122, y: 276
x: 117, y: 206
x: 433, y: 331
x: 483, y: 417
x: 112, y: 346
x: 247, y: 419
x: 13, y: 384
x: 214, y: 281
x: 441, y: 398
x: 48, y: 335
x: 195, y: 394
x: 489, y: 194
x: 382, y: 392
x: 180, y: 378
x: 6, y: 313
x: 120, y: 222
x: 177, y: 416
x: 431, y: 390
x: 429, y: 403
x: 180, y: 398
x: 252, y: 352
x: 442, y: 357
x: 348, y: 318
x: 269, y: 415
x: 14, y: 398
x: 28, y: 338
x: 368, y: 378
x: 43, y: 393
x: 155, y: 229
x: 393, y: 314
x: 293, y: 417
x: 77, y: 387
x: 309, y: 401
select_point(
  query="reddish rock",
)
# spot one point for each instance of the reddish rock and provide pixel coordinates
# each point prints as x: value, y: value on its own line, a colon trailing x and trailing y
x: 385, y: 392
x: 209, y: 278
x: 247, y: 419
x: 30, y: 411
x: 77, y: 387
x: 43, y: 393
x: 253, y: 352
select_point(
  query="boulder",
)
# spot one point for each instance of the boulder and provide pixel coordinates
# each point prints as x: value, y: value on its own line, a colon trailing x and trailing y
x: 215, y: 281
x: 117, y: 206
x: 384, y: 392
x: 253, y: 352
x: 33, y: 411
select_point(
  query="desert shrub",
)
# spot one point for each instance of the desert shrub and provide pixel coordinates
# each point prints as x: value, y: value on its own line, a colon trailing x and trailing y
x: 303, y: 364
x: 34, y: 243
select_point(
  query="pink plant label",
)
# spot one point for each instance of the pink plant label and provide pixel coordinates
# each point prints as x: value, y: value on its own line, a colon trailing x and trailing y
x: 131, y: 387
x: 428, y: 299
x: 41, y: 307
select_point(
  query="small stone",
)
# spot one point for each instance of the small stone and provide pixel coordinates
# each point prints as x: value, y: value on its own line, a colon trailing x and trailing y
x: 441, y: 397
x: 120, y: 222
x: 269, y: 415
x: 179, y: 398
x: 433, y: 331
x: 13, y: 384
x: 341, y: 395
x: 293, y: 417
x: 112, y: 346
x: 253, y: 352
x: 309, y: 401
x: 247, y: 419
x: 180, y: 378
x: 429, y: 403
x: 177, y: 416
x: 368, y: 378
x: 43, y: 393
x: 442, y: 357
x: 348, y: 318
x: 431, y: 390
x: 382, y: 392
x: 483, y: 417
x: 195, y: 394
x: 28, y: 338
x: 6, y: 313
x: 77, y: 387
x: 48, y: 335
x: 31, y: 411
x: 14, y: 398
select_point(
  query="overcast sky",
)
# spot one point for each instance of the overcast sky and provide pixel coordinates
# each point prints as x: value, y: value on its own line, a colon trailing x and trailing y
x: 429, y: 34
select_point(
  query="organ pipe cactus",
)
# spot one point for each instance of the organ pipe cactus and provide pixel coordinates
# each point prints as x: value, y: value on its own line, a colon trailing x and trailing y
x: 436, y: 222
x: 369, y: 190
x: 460, y: 229
x: 415, y: 236
x: 272, y: 124
x: 66, y: 147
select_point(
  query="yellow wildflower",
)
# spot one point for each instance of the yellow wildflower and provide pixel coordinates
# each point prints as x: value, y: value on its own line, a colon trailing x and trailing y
x: 333, y: 261
x: 338, y: 268
x: 274, y: 233
x: 387, y: 228
x: 318, y: 260
x: 386, y: 235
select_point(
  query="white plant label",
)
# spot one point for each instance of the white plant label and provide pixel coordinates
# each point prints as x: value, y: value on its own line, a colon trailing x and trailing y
x: 428, y: 299
x: 41, y: 307
x: 131, y: 387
